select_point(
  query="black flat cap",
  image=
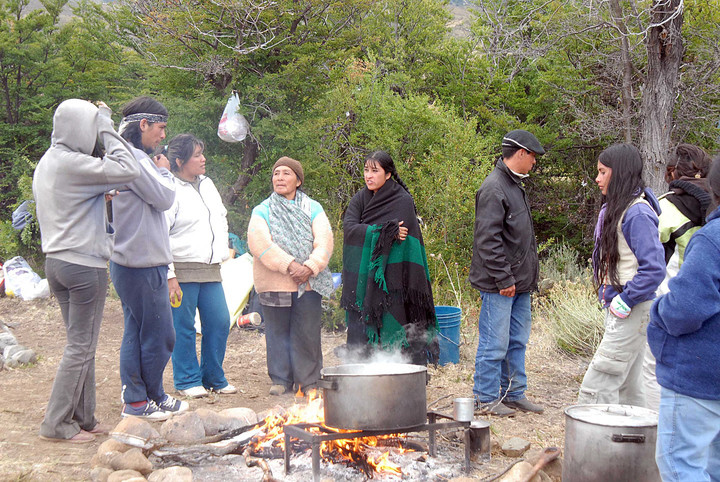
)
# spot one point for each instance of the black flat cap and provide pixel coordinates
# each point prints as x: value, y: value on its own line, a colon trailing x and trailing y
x: 524, y: 140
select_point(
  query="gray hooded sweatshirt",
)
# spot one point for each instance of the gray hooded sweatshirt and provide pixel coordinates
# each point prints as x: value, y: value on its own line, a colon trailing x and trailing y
x: 142, y: 239
x: 69, y: 184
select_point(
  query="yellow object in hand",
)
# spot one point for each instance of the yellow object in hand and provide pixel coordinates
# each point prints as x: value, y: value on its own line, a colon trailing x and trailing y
x: 176, y: 300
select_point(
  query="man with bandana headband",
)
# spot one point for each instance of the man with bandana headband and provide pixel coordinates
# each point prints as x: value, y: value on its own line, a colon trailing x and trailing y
x: 139, y: 266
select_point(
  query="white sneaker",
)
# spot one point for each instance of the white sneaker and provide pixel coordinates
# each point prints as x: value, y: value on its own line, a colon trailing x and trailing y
x: 226, y: 390
x: 194, y: 392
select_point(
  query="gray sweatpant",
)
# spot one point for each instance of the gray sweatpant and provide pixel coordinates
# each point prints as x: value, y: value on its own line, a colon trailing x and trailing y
x: 614, y: 374
x: 80, y: 291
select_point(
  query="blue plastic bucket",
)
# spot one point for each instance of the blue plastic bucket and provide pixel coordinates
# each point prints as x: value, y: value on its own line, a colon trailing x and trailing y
x: 449, y: 318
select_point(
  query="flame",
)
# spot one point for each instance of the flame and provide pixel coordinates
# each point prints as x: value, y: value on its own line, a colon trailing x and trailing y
x: 382, y: 464
x: 352, y: 452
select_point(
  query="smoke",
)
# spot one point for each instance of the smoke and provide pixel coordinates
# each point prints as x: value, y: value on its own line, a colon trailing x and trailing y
x: 369, y: 355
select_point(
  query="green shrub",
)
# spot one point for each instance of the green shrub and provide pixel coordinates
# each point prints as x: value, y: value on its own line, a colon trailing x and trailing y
x: 560, y: 263
x: 568, y: 301
x: 574, y: 316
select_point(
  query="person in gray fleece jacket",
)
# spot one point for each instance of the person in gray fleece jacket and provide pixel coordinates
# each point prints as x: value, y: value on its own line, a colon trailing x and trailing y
x: 69, y: 187
x: 139, y: 266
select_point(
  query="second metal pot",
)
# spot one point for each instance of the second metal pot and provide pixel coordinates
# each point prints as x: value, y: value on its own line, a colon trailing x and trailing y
x: 610, y: 442
x: 374, y: 396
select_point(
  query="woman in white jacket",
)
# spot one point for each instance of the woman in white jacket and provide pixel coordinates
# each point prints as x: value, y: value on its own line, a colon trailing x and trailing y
x: 199, y: 242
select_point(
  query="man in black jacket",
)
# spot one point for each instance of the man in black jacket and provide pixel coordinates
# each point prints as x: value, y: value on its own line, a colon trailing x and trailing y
x: 505, y: 270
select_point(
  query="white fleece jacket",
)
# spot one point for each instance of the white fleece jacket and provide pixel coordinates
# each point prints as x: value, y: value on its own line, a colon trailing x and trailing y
x: 197, y: 222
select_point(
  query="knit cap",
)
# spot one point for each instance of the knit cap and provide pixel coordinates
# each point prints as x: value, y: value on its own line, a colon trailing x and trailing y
x: 292, y: 164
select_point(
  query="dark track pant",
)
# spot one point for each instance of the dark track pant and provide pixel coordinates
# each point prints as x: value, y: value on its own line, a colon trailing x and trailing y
x: 292, y: 337
x: 80, y: 291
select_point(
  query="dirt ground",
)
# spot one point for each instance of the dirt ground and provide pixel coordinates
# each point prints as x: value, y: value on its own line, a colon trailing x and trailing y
x: 553, y: 381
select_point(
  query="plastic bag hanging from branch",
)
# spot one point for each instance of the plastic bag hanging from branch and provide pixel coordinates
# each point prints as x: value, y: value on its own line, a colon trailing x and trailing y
x: 233, y: 126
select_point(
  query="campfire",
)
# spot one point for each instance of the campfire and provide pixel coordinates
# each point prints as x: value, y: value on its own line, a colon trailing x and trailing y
x: 368, y: 454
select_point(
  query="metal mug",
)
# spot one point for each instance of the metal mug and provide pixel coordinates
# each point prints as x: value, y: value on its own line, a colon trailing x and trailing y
x: 463, y: 409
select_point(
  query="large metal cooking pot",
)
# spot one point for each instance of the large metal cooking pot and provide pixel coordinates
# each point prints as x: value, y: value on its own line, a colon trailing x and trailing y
x: 374, y: 396
x: 610, y: 442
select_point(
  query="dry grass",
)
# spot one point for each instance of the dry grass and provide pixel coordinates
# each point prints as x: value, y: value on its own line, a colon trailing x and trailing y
x: 574, y: 316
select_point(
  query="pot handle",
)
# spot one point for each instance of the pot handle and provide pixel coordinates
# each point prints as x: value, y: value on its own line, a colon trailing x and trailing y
x: 637, y: 438
x: 327, y: 384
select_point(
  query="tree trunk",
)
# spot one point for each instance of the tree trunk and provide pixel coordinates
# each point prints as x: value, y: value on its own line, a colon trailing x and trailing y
x: 627, y: 69
x: 248, y: 168
x: 665, y: 51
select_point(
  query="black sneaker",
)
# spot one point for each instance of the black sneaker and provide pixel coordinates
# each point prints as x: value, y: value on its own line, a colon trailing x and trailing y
x: 524, y: 405
x: 173, y: 405
x: 495, y: 408
x: 149, y: 411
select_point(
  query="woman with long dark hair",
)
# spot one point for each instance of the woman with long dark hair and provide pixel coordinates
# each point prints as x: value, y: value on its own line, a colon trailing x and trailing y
x: 386, y: 284
x: 628, y: 266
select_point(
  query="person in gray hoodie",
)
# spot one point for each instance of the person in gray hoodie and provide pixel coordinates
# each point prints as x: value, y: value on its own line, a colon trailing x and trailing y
x: 139, y: 266
x: 69, y: 187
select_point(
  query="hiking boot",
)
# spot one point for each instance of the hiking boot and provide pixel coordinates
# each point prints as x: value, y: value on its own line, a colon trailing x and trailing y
x: 149, y: 411
x: 226, y: 390
x: 278, y: 389
x: 524, y: 405
x: 173, y: 405
x: 82, y: 437
x: 194, y: 392
x: 496, y: 408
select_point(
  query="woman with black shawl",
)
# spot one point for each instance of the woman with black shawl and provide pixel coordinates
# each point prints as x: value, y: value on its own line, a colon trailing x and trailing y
x: 386, y: 283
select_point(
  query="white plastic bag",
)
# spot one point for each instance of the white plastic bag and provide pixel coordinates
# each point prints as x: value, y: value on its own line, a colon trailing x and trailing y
x: 233, y: 126
x: 22, y: 281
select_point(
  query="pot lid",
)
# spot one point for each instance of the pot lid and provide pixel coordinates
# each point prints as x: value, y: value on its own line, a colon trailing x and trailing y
x: 372, y: 369
x: 613, y: 415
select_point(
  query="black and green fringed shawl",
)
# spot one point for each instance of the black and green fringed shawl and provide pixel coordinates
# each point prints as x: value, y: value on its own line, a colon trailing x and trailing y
x: 386, y: 283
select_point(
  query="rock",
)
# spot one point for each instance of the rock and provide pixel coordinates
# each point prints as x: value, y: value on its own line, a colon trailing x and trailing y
x: 126, y: 476
x: 278, y: 410
x: 134, y: 431
x: 171, y: 474
x: 112, y: 445
x: 100, y: 474
x: 104, y: 459
x: 552, y: 469
x: 213, y: 422
x: 10, y: 350
x: 515, y: 447
x: 7, y: 339
x: 133, y: 459
x: 519, y: 473
x: 24, y: 357
x: 184, y: 428
x: 462, y: 479
x: 241, y: 417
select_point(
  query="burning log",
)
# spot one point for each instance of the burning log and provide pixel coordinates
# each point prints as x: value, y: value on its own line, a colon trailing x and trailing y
x: 251, y: 461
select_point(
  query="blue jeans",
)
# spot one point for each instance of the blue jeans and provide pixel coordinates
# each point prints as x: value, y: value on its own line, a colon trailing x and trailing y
x: 688, y: 441
x: 504, y: 328
x: 209, y: 300
x: 149, y: 336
